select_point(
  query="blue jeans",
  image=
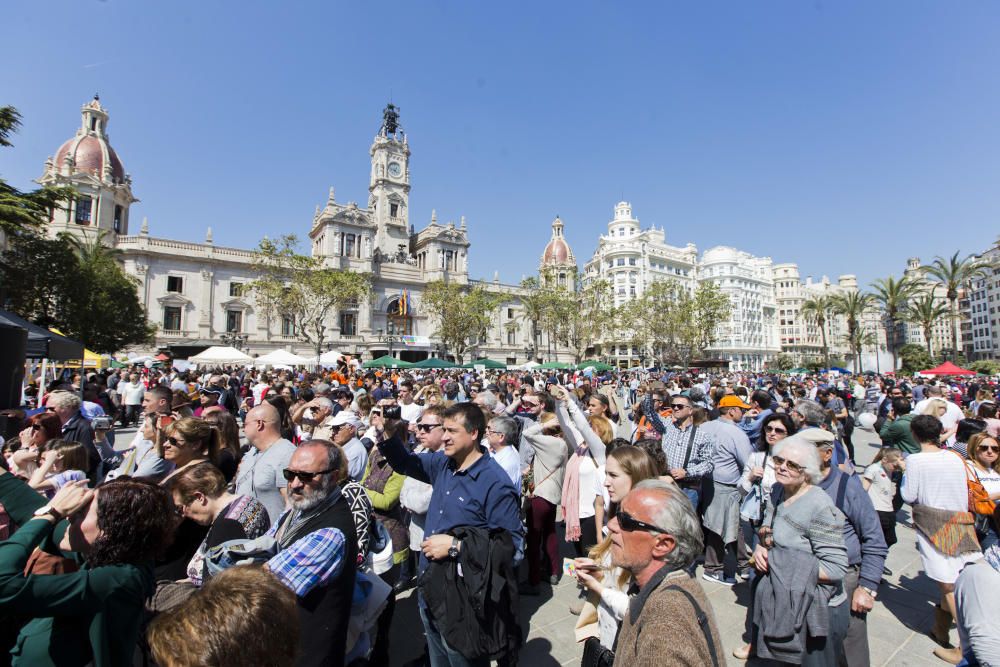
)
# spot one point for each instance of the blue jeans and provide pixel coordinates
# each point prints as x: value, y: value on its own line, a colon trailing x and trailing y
x: 694, y: 495
x: 440, y: 654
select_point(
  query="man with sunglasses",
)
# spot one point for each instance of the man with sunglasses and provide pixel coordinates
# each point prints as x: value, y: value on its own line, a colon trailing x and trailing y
x: 321, y: 569
x: 656, y: 537
x: 688, y: 448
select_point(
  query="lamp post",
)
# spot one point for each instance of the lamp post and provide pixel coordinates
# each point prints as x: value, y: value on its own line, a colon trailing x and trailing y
x: 235, y: 339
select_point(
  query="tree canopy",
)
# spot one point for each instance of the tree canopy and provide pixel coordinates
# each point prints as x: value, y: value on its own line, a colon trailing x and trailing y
x: 461, y: 315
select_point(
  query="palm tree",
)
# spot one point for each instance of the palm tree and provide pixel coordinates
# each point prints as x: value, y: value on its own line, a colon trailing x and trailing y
x: 817, y: 310
x: 90, y: 250
x: 894, y: 295
x: 953, y: 274
x: 925, y: 311
x: 852, y: 305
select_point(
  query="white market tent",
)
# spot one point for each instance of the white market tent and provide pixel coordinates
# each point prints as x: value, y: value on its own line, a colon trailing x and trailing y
x: 326, y: 360
x: 280, y: 358
x: 529, y: 366
x: 219, y: 354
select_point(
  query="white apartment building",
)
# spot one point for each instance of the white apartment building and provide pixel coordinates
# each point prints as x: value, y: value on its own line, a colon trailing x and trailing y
x: 981, y: 315
x: 748, y: 340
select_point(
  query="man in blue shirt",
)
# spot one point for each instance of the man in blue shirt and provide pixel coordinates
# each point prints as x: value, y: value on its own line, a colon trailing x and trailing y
x: 760, y: 408
x: 470, y: 489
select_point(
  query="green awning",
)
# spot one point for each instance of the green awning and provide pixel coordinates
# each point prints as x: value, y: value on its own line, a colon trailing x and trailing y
x: 434, y: 363
x: 488, y: 363
x: 387, y: 361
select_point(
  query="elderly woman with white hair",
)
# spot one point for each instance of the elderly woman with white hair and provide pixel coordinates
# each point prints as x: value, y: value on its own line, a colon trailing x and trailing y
x: 803, y: 559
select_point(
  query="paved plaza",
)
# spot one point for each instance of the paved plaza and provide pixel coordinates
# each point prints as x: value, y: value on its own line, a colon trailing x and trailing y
x: 895, y: 627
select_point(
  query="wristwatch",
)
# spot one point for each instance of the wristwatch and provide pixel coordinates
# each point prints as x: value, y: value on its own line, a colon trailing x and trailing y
x: 49, y: 510
x: 453, y: 549
x: 870, y: 592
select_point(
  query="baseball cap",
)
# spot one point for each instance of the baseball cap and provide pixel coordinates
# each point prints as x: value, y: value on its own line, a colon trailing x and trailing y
x: 347, y: 417
x: 733, y: 401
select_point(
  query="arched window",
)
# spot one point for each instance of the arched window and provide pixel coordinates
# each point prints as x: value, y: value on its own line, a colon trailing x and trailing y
x: 399, y: 321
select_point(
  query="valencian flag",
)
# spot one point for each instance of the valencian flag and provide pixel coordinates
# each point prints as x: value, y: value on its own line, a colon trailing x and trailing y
x: 404, y: 303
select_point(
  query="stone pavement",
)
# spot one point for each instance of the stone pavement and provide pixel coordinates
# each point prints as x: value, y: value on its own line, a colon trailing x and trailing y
x: 895, y: 626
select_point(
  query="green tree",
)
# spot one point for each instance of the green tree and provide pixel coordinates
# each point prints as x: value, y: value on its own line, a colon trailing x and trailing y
x: 300, y: 287
x: 913, y: 358
x: 461, y: 315
x: 88, y: 297
x: 852, y: 305
x: 926, y: 310
x: 21, y: 211
x: 893, y: 296
x: 953, y: 274
x: 698, y: 317
x: 585, y: 313
x: 817, y: 310
x: 535, y: 301
x: 782, y: 362
x: 653, y: 319
x: 987, y: 366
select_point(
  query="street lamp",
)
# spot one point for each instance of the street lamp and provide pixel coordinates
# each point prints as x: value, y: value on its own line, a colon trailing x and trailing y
x: 234, y: 339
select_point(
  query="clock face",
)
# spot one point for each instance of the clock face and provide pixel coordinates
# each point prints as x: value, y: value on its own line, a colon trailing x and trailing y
x: 395, y: 169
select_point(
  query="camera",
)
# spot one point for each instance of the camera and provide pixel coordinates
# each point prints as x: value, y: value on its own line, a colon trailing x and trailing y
x: 392, y: 412
x: 101, y: 423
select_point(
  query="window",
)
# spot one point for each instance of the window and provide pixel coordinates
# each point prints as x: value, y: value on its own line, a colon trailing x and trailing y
x: 287, y: 326
x: 171, y: 318
x: 349, y: 244
x: 234, y: 320
x: 84, y: 206
x: 235, y: 289
x: 349, y: 324
x: 631, y: 261
x: 175, y: 284
x: 511, y: 337
x: 393, y: 210
x: 621, y: 261
x: 510, y: 313
x: 119, y: 219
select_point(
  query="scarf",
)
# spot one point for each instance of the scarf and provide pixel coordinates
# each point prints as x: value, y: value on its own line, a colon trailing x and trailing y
x: 951, y: 533
x: 571, y: 495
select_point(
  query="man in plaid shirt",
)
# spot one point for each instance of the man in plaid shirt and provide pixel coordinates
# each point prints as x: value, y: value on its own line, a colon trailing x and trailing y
x: 689, y: 449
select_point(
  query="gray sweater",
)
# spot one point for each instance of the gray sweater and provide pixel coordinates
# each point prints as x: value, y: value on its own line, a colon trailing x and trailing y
x: 814, y: 525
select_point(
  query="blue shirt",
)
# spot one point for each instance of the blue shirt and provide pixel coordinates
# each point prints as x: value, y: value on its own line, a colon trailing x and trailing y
x: 481, y: 496
x: 752, y: 426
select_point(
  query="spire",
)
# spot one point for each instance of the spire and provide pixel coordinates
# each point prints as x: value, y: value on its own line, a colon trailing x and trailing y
x: 332, y: 199
x: 463, y: 222
x: 434, y: 216
x: 208, y: 236
x: 496, y: 277
x: 144, y: 230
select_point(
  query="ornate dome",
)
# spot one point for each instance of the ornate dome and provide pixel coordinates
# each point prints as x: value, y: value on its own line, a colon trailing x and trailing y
x: 89, y: 151
x: 558, y: 252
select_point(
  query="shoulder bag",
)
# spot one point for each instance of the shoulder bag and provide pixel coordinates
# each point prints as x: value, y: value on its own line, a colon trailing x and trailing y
x: 979, y: 498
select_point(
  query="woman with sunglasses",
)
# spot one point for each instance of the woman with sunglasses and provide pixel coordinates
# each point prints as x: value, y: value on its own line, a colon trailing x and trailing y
x: 984, y: 462
x: 39, y: 430
x: 624, y: 468
x: 803, y: 519
x: 92, y: 616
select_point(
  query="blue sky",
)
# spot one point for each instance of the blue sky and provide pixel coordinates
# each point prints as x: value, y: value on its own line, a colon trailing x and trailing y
x: 843, y: 136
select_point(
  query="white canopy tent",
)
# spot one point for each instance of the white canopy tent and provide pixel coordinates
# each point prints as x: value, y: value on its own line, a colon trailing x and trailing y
x: 281, y: 358
x: 530, y: 366
x: 219, y: 354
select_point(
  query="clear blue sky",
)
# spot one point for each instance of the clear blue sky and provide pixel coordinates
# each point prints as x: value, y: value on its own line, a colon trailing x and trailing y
x: 845, y: 136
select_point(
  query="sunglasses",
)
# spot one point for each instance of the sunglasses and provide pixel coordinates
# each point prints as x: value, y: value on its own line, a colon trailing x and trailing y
x: 427, y: 428
x: 771, y: 429
x: 791, y: 465
x: 630, y: 524
x: 306, y: 477
x: 679, y: 406
x: 990, y: 449
x: 176, y: 443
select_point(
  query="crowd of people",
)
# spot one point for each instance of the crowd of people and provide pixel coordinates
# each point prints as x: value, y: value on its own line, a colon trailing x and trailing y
x: 275, y: 517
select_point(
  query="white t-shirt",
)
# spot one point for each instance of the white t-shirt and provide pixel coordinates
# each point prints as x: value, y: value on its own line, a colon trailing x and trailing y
x: 953, y: 414
x: 588, y: 472
x: 411, y: 412
x: 882, y: 489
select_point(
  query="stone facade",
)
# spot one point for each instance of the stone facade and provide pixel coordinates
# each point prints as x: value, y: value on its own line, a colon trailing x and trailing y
x: 195, y: 292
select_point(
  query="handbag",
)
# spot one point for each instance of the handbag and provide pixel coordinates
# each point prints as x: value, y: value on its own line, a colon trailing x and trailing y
x: 752, y: 506
x: 596, y: 655
x: 979, y: 498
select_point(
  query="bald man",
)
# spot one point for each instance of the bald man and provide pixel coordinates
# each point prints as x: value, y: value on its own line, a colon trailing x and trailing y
x: 261, y: 471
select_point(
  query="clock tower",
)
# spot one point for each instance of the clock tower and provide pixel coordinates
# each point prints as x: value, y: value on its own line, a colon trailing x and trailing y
x: 389, y: 185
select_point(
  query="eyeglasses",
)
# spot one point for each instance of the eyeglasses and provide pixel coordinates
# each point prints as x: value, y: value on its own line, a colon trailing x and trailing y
x: 427, y: 428
x: 772, y: 429
x: 679, y: 406
x: 990, y: 449
x: 306, y: 477
x: 791, y: 465
x: 630, y: 524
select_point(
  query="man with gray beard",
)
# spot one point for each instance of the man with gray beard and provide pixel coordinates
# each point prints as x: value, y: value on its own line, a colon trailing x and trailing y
x: 321, y: 570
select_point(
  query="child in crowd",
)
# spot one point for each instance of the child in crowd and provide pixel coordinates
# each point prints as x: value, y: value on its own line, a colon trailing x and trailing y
x: 63, y: 461
x: 878, y: 480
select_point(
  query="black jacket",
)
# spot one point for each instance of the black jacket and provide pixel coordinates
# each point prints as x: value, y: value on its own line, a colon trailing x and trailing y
x: 476, y: 612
